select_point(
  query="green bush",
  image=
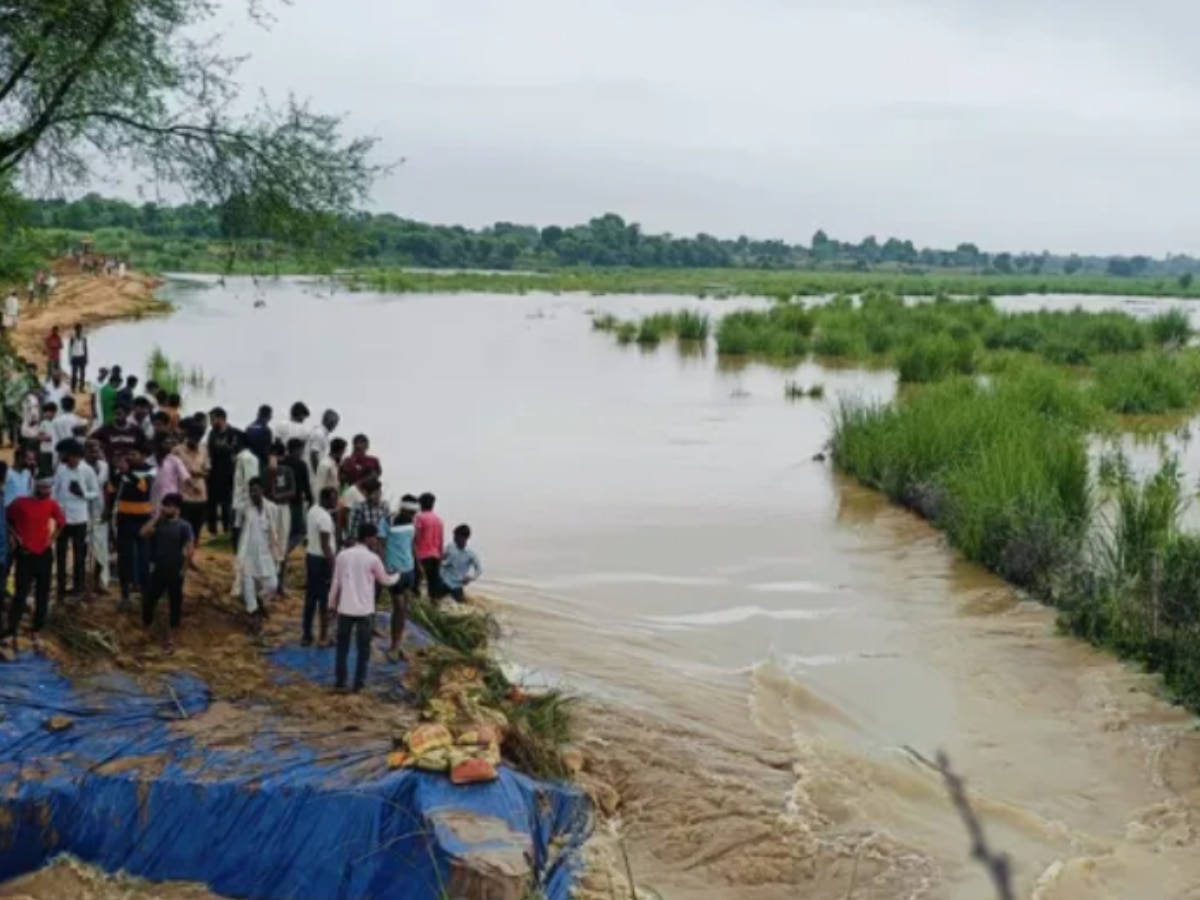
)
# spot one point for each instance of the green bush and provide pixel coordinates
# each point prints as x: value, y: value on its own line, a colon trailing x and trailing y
x: 1147, y: 384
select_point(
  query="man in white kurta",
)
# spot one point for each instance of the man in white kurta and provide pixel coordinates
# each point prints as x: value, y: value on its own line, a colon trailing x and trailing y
x: 260, y: 549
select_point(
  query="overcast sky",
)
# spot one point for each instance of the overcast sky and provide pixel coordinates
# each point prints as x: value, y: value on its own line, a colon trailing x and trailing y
x: 1021, y: 125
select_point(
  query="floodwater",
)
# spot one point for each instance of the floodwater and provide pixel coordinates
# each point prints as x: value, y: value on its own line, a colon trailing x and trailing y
x: 772, y: 654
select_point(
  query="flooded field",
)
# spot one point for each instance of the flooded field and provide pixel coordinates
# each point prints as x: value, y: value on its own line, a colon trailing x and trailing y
x: 771, y: 654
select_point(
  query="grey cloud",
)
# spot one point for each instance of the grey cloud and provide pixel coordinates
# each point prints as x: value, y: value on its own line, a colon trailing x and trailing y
x: 1020, y: 125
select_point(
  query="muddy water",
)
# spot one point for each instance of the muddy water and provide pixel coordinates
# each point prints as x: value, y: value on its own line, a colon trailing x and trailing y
x: 772, y: 654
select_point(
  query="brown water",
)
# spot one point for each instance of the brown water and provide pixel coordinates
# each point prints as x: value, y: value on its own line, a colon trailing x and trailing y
x: 770, y: 652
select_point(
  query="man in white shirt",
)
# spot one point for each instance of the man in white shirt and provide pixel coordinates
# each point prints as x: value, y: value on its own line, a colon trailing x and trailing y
x: 12, y: 309
x: 66, y: 424
x: 259, y: 551
x: 55, y: 389
x: 352, y: 598
x: 294, y: 429
x: 319, y: 559
x: 98, y: 518
x: 77, y: 353
x: 318, y: 444
x: 327, y: 474
x: 75, y: 489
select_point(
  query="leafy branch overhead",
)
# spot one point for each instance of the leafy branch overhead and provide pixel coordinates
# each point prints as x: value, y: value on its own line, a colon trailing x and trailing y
x: 86, y: 84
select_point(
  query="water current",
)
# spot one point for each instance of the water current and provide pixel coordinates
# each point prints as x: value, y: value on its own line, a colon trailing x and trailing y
x: 771, y: 654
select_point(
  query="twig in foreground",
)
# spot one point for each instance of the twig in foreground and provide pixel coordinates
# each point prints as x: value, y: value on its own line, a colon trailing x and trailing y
x: 997, y: 864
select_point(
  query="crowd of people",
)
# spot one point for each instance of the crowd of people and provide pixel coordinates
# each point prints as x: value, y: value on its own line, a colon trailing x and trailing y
x: 140, y: 480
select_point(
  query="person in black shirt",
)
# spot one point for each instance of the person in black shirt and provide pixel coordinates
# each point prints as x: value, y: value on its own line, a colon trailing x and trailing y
x: 224, y: 444
x: 171, y: 544
x: 120, y: 436
x: 259, y: 437
x: 302, y: 499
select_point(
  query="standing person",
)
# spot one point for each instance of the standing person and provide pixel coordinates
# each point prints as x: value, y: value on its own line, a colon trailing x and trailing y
x: 327, y: 471
x: 142, y: 417
x: 429, y: 541
x: 18, y: 482
x: 360, y: 464
x: 281, y: 489
x: 99, y: 516
x: 194, y: 456
x: 318, y: 447
x: 302, y: 499
x: 398, y: 556
x: 54, y: 348
x: 318, y: 565
x: 174, y: 411
x: 45, y: 437
x: 172, y: 476
x: 259, y: 551
x: 75, y: 490
x: 373, y: 510
x: 15, y: 388
x: 55, y: 388
x: 460, y: 564
x: 172, y: 545
x: 246, y: 471
x: 66, y: 425
x: 77, y: 352
x: 33, y: 524
x: 259, y: 437
x: 120, y: 436
x: 31, y: 420
x: 132, y: 509
x: 97, y: 408
x: 108, y: 397
x: 128, y: 393
x: 295, y: 427
x: 12, y: 309
x: 224, y: 444
x: 352, y: 598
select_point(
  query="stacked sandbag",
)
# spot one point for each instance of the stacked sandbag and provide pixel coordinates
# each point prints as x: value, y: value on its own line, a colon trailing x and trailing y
x: 470, y: 756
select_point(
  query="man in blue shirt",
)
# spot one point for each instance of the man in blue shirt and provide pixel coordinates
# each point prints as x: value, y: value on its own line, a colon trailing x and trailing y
x: 460, y: 564
x: 19, y: 480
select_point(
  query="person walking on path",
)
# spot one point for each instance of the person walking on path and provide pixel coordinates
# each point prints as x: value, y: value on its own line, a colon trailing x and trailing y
x: 12, y: 310
x: 460, y: 564
x: 99, y: 516
x: 194, y: 456
x: 352, y: 598
x: 429, y: 542
x: 75, y: 489
x: 398, y: 556
x: 54, y: 348
x: 224, y: 445
x: 318, y: 564
x: 259, y: 551
x: 172, y: 546
x: 77, y: 353
x: 33, y: 524
x: 132, y: 509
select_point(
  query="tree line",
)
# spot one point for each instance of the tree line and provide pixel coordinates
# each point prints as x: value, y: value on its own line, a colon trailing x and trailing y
x: 365, y: 239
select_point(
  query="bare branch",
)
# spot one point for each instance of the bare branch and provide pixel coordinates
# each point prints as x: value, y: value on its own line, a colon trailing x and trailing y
x: 998, y: 865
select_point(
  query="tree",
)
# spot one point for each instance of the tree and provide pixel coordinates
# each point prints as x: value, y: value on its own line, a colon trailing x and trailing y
x: 1073, y: 264
x: 1003, y: 263
x: 102, y: 81
x: 1185, y: 280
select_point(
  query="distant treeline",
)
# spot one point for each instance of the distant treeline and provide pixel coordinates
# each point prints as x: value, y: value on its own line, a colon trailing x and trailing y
x: 607, y: 241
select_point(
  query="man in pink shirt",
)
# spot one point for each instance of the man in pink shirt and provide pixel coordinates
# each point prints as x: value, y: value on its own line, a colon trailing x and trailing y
x: 172, y: 475
x: 356, y: 571
x: 428, y: 542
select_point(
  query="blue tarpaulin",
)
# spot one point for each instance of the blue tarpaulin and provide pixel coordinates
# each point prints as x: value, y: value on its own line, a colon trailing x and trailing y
x: 307, y: 816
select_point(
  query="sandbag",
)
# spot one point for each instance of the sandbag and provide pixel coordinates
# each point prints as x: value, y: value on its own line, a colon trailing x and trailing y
x: 480, y: 734
x: 434, y: 761
x: 424, y: 738
x: 398, y: 759
x: 473, y: 771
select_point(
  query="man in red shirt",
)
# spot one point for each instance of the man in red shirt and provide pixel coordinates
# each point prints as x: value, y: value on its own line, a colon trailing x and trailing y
x: 360, y: 464
x: 33, y: 524
x: 54, y: 346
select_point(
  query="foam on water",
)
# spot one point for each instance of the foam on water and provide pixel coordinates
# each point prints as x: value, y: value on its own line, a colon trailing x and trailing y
x: 739, y: 614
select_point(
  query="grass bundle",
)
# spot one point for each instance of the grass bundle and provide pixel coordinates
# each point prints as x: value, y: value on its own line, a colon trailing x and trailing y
x: 468, y: 632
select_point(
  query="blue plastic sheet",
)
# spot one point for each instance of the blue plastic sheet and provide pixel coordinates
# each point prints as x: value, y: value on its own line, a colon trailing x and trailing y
x: 127, y: 789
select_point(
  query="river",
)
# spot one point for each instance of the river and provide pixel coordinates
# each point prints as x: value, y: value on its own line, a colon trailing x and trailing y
x: 769, y: 652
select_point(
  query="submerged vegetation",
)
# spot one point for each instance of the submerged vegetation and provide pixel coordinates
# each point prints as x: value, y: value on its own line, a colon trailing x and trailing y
x: 1002, y: 468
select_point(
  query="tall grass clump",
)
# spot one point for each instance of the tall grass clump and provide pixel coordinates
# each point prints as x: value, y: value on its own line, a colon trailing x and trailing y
x: 1172, y: 328
x: 690, y: 325
x: 168, y: 375
x: 1007, y: 483
x: 935, y: 358
x: 1150, y: 383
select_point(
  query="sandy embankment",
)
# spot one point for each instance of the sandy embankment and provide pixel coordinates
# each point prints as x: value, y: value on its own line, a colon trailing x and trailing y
x: 86, y: 300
